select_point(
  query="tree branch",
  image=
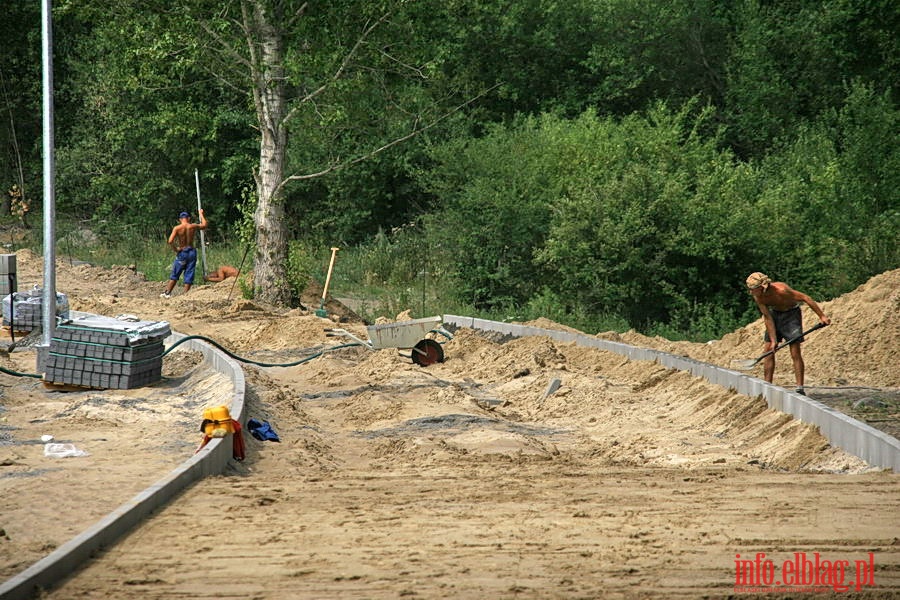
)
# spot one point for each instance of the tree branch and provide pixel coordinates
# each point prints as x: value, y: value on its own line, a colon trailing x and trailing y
x: 290, y: 22
x: 225, y: 46
x: 416, y: 131
x: 410, y: 68
x: 340, y: 70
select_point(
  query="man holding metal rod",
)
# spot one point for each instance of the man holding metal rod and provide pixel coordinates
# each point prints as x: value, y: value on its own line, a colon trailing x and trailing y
x: 182, y: 242
x: 780, y: 308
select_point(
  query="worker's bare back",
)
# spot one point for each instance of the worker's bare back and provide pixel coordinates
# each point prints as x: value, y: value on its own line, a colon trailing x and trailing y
x: 183, y: 235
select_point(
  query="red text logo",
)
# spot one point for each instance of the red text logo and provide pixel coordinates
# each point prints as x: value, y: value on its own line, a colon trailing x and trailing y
x: 801, y: 573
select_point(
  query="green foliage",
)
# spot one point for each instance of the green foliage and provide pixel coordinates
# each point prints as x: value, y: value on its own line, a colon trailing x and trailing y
x: 389, y: 89
x: 700, y: 323
x: 550, y: 304
x: 790, y: 62
x: 826, y: 212
x: 20, y: 103
x: 498, y: 197
x: 618, y: 217
x: 147, y: 114
x: 393, y: 258
x: 648, y: 51
x: 393, y: 272
x: 300, y: 267
x: 390, y: 273
x: 647, y: 234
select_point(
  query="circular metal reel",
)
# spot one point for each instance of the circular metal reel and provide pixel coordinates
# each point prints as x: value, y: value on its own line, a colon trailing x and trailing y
x: 427, y: 352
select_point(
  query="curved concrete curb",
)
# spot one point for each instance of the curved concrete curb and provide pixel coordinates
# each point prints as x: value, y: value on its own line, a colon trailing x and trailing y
x: 211, y: 460
x: 875, y: 447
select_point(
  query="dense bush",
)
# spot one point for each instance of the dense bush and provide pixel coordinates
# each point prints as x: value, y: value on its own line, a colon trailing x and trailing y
x: 647, y: 219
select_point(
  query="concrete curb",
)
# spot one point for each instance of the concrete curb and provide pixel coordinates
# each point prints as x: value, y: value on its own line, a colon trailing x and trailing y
x: 211, y: 460
x: 873, y: 446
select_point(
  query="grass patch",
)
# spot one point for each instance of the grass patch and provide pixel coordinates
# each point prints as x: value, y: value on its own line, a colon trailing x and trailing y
x: 383, y: 279
x: 139, y: 246
x: 394, y: 272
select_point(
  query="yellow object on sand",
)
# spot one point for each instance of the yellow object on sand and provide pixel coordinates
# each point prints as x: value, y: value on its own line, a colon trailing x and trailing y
x: 217, y: 421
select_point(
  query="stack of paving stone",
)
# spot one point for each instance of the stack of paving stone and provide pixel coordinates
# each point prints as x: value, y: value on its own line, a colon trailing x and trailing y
x: 103, y: 352
x: 23, y: 311
x: 7, y: 274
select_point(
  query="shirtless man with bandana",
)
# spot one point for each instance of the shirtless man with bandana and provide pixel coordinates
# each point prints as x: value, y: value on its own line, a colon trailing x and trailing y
x: 780, y: 308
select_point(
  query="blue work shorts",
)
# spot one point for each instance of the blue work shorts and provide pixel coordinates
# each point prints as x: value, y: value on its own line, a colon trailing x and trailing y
x: 185, y: 261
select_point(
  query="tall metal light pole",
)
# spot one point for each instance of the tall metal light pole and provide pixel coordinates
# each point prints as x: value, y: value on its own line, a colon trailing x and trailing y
x: 49, y: 298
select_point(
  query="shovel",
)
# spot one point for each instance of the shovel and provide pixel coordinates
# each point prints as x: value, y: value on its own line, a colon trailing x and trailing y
x: 747, y: 364
x: 321, y: 312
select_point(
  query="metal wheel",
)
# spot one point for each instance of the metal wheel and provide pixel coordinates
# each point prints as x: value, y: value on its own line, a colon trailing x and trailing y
x: 427, y: 352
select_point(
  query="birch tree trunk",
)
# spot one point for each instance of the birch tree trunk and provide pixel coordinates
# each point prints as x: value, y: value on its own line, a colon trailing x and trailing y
x: 264, y: 25
x: 266, y: 47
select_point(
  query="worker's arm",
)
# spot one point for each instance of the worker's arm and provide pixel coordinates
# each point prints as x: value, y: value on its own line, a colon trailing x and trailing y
x: 172, y: 237
x: 801, y: 297
x: 769, y: 323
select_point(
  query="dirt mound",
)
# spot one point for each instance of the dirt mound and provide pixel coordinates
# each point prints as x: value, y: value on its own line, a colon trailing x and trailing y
x: 863, y: 344
x: 860, y: 348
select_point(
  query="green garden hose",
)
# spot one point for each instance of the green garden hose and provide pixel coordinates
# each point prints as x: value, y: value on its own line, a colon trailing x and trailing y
x: 217, y: 345
x: 253, y: 362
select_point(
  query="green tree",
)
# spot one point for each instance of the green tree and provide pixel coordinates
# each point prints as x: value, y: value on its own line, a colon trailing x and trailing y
x: 143, y: 116
x: 648, y: 234
x: 326, y: 78
x: 792, y: 61
x: 643, y: 52
x: 497, y: 194
x: 827, y: 212
x: 615, y: 215
x: 167, y: 89
x: 20, y: 102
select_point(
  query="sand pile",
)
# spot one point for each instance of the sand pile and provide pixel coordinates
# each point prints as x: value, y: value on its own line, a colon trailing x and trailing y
x: 860, y: 348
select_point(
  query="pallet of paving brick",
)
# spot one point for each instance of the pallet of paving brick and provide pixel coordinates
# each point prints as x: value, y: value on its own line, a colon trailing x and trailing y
x: 107, y: 352
x: 104, y: 374
x: 25, y: 310
x: 104, y: 367
x: 97, y: 372
x: 99, y: 380
x: 103, y: 352
x: 109, y: 331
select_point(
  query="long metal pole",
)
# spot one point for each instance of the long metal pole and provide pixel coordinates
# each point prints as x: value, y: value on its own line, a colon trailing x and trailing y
x: 202, y: 237
x: 49, y: 298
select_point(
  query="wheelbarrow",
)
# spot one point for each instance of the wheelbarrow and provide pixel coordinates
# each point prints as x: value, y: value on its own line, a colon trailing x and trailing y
x: 404, y: 335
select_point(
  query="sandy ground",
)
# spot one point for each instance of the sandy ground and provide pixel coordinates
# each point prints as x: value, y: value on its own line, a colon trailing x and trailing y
x: 459, y: 480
